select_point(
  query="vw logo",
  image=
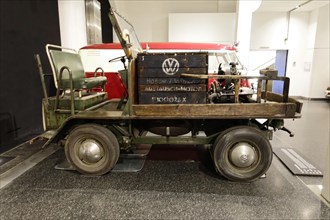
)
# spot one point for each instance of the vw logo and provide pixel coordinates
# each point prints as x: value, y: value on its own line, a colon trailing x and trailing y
x: 170, y: 66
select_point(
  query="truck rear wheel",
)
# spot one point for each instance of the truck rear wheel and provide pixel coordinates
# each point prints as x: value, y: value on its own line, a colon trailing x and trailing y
x: 92, y: 149
x: 242, y: 154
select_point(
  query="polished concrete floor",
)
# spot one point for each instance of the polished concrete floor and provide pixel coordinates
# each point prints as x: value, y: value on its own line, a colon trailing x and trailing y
x: 312, y: 131
x: 169, y: 188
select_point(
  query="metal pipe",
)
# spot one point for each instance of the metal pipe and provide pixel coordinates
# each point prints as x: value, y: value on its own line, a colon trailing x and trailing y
x: 42, y: 78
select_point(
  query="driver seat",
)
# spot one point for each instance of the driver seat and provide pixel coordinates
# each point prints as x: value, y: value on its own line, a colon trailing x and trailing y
x: 69, y: 74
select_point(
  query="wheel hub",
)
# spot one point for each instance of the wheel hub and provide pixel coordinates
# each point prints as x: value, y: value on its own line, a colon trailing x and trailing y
x: 90, y: 151
x: 243, y: 155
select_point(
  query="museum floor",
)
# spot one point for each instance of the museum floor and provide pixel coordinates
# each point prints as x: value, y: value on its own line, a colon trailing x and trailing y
x: 175, y: 184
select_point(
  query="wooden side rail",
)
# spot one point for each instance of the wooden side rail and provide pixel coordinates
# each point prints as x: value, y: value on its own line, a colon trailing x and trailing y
x: 236, y: 79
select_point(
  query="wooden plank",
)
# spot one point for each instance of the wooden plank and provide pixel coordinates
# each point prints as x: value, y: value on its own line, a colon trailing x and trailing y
x: 173, y: 88
x: 237, y: 86
x: 155, y: 60
x: 170, y: 80
x: 211, y: 76
x: 159, y: 98
x: 132, y: 84
x: 246, y: 110
x: 259, y: 91
x: 279, y: 98
x: 163, y: 65
x: 159, y: 72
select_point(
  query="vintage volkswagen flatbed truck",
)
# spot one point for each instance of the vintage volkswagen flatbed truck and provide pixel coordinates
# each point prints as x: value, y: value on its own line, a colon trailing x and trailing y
x: 167, y: 96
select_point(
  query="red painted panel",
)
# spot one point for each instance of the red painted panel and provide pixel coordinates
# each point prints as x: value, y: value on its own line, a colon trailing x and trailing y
x: 114, y: 86
x: 166, y: 46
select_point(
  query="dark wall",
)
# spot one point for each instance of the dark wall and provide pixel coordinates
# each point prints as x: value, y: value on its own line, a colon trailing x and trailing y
x: 105, y: 22
x: 26, y: 26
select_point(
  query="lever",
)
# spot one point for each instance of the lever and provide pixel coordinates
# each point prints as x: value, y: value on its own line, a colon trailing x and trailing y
x: 287, y: 130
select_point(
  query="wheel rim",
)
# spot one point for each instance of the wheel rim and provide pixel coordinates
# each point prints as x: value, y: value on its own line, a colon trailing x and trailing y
x: 243, y: 155
x: 90, y: 151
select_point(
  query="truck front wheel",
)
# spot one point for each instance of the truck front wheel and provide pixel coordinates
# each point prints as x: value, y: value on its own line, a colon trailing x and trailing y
x: 242, y: 154
x: 92, y: 149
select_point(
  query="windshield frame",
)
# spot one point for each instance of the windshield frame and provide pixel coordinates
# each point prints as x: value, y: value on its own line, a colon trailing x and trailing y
x: 228, y: 56
x: 126, y: 34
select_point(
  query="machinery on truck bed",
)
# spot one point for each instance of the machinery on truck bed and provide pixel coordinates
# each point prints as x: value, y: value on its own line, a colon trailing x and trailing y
x: 168, y: 95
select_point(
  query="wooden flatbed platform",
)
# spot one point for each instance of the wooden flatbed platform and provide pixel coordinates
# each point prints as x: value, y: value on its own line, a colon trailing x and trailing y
x: 216, y: 111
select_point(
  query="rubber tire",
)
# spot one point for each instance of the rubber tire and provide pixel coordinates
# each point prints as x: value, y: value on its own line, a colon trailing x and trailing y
x: 228, y: 139
x: 104, y: 137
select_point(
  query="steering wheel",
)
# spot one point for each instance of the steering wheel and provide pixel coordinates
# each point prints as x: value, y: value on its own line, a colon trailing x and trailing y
x: 121, y: 58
